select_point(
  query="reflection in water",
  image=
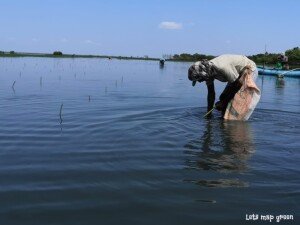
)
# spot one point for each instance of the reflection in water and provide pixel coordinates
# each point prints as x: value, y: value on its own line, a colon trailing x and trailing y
x: 41, y: 82
x: 262, y: 84
x: 220, y: 183
x: 280, y: 82
x: 225, y: 146
x: 13, y: 87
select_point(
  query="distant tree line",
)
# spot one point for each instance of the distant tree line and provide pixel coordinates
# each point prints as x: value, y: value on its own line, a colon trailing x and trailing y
x: 271, y: 58
x: 57, y: 53
x: 294, y: 55
x: 267, y: 58
x: 189, y: 57
x: 10, y: 53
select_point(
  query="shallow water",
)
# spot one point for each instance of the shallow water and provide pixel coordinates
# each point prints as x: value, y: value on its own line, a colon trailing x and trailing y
x: 130, y: 146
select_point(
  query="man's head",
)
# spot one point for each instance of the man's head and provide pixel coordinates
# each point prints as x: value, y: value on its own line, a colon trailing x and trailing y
x: 200, y: 71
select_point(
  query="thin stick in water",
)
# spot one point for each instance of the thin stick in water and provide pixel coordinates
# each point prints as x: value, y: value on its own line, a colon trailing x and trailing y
x: 60, y: 113
x: 13, y: 86
x: 209, y: 112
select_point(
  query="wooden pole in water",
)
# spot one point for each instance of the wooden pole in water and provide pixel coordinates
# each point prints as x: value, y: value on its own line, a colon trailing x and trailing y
x: 265, y: 55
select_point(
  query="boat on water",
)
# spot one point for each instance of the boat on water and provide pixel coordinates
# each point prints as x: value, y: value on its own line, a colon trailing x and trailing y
x: 278, y: 72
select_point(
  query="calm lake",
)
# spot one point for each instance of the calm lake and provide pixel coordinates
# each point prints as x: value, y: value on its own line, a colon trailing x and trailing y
x: 97, y: 141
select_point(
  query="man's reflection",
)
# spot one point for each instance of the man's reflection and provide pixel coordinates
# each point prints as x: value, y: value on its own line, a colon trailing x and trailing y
x: 225, y: 146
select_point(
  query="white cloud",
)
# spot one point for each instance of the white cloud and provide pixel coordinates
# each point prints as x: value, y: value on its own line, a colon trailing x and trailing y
x: 90, y: 42
x: 170, y: 25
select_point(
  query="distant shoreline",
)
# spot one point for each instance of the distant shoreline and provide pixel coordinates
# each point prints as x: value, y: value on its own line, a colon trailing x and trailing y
x: 260, y: 59
x: 49, y: 55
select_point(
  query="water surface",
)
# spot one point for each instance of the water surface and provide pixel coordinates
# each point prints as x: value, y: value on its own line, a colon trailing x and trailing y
x: 130, y: 146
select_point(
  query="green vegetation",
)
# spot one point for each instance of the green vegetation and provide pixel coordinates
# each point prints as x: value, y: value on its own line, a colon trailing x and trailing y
x: 190, y: 58
x: 294, y: 55
x: 271, y: 58
x: 57, y: 53
x: 267, y: 58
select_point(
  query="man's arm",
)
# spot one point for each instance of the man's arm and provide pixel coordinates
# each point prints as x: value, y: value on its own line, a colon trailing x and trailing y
x: 210, y: 95
x: 228, y: 94
x: 230, y: 90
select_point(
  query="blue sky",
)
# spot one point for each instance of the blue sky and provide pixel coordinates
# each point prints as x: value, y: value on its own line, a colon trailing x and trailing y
x: 149, y: 27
